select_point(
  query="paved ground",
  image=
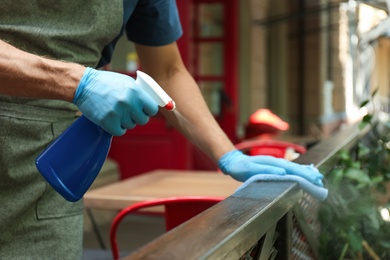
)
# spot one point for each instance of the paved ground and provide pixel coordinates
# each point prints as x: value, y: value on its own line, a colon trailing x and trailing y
x: 135, y: 231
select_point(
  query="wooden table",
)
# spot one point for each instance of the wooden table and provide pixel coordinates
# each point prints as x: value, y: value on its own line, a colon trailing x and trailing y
x: 158, y: 184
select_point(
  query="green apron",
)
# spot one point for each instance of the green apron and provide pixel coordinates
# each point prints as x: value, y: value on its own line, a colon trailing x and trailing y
x: 35, y: 221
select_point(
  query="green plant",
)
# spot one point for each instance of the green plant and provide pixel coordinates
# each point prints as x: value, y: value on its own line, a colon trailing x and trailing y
x: 351, y: 224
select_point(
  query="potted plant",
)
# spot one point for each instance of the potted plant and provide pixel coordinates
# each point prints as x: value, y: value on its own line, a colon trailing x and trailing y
x: 352, y: 226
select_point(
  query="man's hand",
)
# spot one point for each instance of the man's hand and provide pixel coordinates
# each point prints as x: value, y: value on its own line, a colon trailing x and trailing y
x: 241, y: 167
x: 113, y: 101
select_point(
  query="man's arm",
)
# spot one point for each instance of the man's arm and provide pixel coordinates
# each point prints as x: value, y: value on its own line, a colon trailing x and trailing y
x: 165, y: 65
x: 110, y: 100
x: 198, y: 124
x: 27, y: 75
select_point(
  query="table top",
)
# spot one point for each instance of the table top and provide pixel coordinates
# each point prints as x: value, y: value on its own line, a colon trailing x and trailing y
x: 159, y: 184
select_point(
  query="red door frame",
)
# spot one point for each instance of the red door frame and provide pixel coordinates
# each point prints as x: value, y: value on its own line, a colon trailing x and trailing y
x: 229, y: 109
x: 231, y: 70
x: 183, y: 43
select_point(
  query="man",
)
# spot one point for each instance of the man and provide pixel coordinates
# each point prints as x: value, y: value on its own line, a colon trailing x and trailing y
x: 49, y: 52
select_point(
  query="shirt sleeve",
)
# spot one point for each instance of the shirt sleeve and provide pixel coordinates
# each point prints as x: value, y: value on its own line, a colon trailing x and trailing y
x: 154, y: 23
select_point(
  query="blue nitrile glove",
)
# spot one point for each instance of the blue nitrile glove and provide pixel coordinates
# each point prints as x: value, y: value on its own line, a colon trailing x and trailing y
x: 113, y: 101
x: 241, y: 167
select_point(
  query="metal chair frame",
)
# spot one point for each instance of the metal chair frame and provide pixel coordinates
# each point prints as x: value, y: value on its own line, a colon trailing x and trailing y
x: 177, y: 211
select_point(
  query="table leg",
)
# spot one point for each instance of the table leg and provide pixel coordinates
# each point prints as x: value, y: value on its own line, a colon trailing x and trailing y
x: 96, y: 229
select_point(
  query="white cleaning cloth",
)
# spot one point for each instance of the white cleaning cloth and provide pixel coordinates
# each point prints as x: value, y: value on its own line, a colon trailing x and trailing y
x: 317, y: 192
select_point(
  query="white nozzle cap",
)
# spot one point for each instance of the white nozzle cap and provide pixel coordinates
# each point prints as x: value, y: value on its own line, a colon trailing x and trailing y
x: 154, y: 90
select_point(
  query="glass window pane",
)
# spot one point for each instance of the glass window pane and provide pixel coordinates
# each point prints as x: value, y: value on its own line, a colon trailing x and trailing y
x: 211, y: 20
x: 212, y: 94
x: 211, y: 59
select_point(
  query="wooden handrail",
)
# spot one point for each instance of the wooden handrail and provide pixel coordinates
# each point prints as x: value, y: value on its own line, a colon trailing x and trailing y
x: 228, y: 229
x: 253, y: 216
x: 323, y: 154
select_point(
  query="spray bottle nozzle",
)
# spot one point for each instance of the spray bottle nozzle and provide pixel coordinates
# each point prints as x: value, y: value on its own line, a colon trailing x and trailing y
x: 155, y: 91
x: 170, y: 106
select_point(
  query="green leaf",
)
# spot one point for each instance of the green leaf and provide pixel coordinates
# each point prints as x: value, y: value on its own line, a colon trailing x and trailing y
x: 362, y: 125
x: 374, y: 221
x: 385, y: 244
x: 365, y: 102
x: 358, y: 175
x: 377, y: 179
x: 336, y: 176
x: 363, y: 150
x: 344, y: 155
x: 355, y: 241
x: 367, y: 119
x: 355, y: 164
x: 344, y: 251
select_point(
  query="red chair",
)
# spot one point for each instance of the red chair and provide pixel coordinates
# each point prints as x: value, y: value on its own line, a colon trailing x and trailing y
x: 177, y: 211
x: 274, y: 148
x: 264, y: 123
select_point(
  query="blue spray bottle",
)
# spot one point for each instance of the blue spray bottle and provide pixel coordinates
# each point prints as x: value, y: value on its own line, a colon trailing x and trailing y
x: 71, y: 163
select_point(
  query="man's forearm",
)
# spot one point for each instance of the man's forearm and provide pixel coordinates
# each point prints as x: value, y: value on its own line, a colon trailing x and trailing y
x: 195, y: 120
x: 27, y: 75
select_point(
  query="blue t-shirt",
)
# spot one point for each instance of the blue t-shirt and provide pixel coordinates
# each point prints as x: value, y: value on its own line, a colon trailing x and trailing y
x: 148, y: 22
